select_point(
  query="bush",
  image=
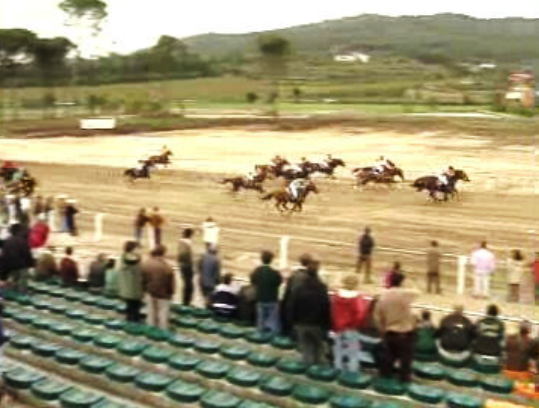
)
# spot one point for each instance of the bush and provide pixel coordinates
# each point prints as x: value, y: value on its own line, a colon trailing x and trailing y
x: 48, y: 100
x: 251, y: 97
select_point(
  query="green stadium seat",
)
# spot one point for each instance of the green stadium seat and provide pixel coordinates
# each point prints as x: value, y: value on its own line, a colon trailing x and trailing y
x: 179, y: 340
x: 208, y: 326
x: 44, y: 349
x: 183, y: 362
x: 486, y: 364
x: 184, y: 392
x: 357, y: 381
x: 107, y: 341
x: 156, y: 355
x: 73, y: 296
x: 90, y: 300
x: 110, y: 404
x: 41, y: 304
x: 310, y: 395
x: 348, y: 401
x: 58, y: 308
x: 135, y: 329
x: 152, y: 382
x: 84, y: 335
x: 131, y: 348
x: 186, y: 322
x: 232, y: 332
x: 69, y: 356
x: 121, y: 308
x: 453, y: 361
x: 22, y: 342
x: 386, y: 404
x: 76, y: 314
x: 181, y: 310
x: 322, y: 373
x: 429, y: 371
x: 496, y: 384
x: 200, y: 313
x: 95, y: 365
x: 49, y: 390
x: 216, y: 399
x: 455, y: 400
x: 425, y: 394
x: 277, y: 386
x: 25, y: 318
x: 388, y: 386
x: 213, y: 369
x: 289, y: 366
x: 122, y: 373
x: 157, y: 334
x: 256, y: 337
x: 261, y: 360
x: 107, y: 304
x: 21, y: 378
x: 57, y: 293
x: 78, y: 398
x: 115, y: 324
x: 96, y: 319
x: 62, y: 329
x: 235, y: 353
x: 463, y: 378
x: 7, y: 313
x: 254, y: 404
x: 207, y: 346
x: 243, y: 377
x: 283, y: 343
x: 23, y: 300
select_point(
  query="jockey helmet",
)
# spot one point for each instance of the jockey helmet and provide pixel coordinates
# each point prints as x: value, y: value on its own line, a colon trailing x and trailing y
x: 451, y: 168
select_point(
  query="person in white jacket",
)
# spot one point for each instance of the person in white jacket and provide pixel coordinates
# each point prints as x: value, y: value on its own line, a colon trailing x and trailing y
x: 210, y: 232
x: 484, y: 264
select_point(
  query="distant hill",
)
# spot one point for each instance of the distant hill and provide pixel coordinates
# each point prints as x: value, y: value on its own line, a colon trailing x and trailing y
x: 455, y: 36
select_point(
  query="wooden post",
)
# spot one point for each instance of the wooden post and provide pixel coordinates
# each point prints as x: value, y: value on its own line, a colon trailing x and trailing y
x: 283, y: 252
x: 98, y: 221
x: 461, y: 274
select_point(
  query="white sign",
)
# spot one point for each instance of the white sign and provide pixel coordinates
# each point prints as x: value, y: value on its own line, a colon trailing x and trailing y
x: 100, y: 124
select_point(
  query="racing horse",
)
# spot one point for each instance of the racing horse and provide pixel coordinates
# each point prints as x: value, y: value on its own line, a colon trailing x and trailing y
x: 432, y: 185
x: 283, y: 197
x: 241, y: 182
x: 326, y: 167
x: 365, y: 175
x: 135, y: 173
x: 163, y: 158
x: 274, y: 170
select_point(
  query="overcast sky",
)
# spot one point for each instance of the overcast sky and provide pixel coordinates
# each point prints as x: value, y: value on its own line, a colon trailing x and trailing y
x: 135, y: 24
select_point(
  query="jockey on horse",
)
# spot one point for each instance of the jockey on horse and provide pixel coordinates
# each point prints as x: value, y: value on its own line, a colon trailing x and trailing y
x: 444, y: 177
x: 296, y: 188
x: 382, y: 165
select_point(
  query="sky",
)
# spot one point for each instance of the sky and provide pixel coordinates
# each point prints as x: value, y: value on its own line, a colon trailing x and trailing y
x: 136, y: 24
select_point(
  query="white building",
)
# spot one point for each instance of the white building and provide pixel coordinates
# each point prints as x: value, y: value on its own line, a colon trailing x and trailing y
x: 352, y: 57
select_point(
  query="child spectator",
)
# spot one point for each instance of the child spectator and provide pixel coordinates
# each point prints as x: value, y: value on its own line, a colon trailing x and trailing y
x: 425, y: 338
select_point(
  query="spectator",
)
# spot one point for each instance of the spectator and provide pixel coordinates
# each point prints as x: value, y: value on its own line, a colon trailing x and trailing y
x: 209, y: 269
x: 49, y: 212
x: 39, y: 234
x: 185, y: 261
x: 130, y: 281
x: 70, y: 214
x: 111, y: 279
x: 515, y: 268
x: 158, y: 278
x: 311, y: 316
x: 224, y: 301
x: 388, y: 278
x: 366, y: 246
x: 535, y: 271
x: 39, y: 207
x: 140, y: 222
x: 484, y: 264
x: 298, y: 276
x: 69, y: 269
x: 396, y: 324
x: 247, y: 305
x: 210, y: 232
x: 46, y: 267
x: 17, y: 258
x: 456, y: 334
x: 425, y: 338
x: 349, y: 313
x: 521, y: 350
x: 489, y: 334
x: 157, y: 221
x: 266, y: 282
x: 61, y: 210
x: 96, y: 274
x: 433, y: 268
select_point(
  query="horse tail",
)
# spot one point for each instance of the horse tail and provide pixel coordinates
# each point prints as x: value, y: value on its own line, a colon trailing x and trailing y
x: 224, y: 181
x: 268, y: 196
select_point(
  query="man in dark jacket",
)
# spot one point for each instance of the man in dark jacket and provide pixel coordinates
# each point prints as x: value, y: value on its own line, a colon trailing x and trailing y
x: 71, y: 212
x: 456, y: 334
x: 521, y: 350
x: 366, y: 246
x: 96, y: 275
x: 292, y: 283
x: 311, y: 315
x: 17, y: 258
x: 185, y: 263
x: 490, y: 334
x: 209, y: 269
x: 266, y: 281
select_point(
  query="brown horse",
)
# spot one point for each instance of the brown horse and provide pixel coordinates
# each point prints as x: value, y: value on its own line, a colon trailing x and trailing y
x: 241, y: 182
x: 432, y: 185
x: 163, y: 158
x: 283, y: 197
x: 367, y: 175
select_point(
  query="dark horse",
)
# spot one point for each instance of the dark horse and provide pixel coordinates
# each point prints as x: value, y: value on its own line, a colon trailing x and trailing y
x: 134, y: 173
x: 325, y: 168
x: 283, y: 197
x: 367, y: 175
x: 432, y: 185
x: 163, y: 158
x: 274, y: 170
x: 241, y: 182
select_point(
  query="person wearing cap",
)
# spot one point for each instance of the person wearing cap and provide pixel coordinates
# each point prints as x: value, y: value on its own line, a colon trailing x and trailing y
x: 520, y: 350
x: 70, y: 214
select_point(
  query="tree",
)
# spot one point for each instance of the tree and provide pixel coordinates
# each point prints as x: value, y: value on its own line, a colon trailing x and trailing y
x: 15, y: 46
x: 297, y: 95
x: 92, y: 10
x: 251, y: 97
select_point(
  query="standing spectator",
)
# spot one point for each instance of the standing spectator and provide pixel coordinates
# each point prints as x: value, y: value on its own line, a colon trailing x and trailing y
x: 425, y: 338
x: 266, y: 281
x: 49, y: 212
x: 39, y: 207
x: 366, y: 246
x: 46, y: 267
x: 433, y: 268
x: 490, y: 333
x: 157, y: 221
x: 535, y: 271
x: 388, y: 278
x: 17, y: 258
x: 247, y: 305
x: 224, y: 300
x: 111, y: 279
x: 396, y: 323
x: 210, y: 232
x: 96, y: 273
x: 61, y: 211
x: 520, y: 350
x: 39, y: 233
x: 140, y: 222
x: 158, y: 278
x: 185, y: 261
x: 209, y: 269
x: 349, y: 312
x: 130, y: 281
x: 298, y: 276
x: 311, y: 316
x: 70, y: 214
x: 456, y: 334
x: 69, y: 269
x: 515, y: 269
x: 484, y: 264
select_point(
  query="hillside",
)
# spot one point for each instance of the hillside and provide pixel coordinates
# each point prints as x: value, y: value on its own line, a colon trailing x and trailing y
x: 457, y: 37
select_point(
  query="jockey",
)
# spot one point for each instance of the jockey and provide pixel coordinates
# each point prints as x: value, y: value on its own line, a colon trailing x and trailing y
x: 380, y: 165
x: 250, y: 176
x: 296, y: 187
x: 277, y: 160
x: 443, y: 178
x: 327, y: 161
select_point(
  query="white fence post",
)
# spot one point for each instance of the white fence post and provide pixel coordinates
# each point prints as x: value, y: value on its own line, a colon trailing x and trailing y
x: 98, y: 220
x: 51, y: 218
x: 283, y: 252
x: 461, y: 274
x: 151, y: 238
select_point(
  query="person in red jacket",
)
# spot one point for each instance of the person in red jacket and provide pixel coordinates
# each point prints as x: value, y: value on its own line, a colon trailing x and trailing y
x: 39, y: 233
x: 349, y: 313
x: 69, y: 269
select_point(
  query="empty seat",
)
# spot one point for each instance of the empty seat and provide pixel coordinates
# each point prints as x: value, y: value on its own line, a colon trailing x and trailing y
x: 207, y: 346
x: 21, y: 378
x: 357, y: 381
x: 122, y: 373
x: 69, y: 356
x: 311, y: 395
x: 283, y: 343
x: 463, y: 378
x: 208, y: 326
x: 49, y: 390
x: 107, y: 341
x: 131, y: 348
x: 95, y: 365
x: 213, y: 369
x: 44, y: 349
x: 290, y: 366
x: 262, y: 360
x: 183, y: 362
x: 78, y: 398
x: 497, y: 384
x: 22, y: 342
x: 455, y: 400
x: 217, y: 399
x: 179, y: 340
x: 425, y: 394
x: 152, y: 382
x: 256, y: 337
x: 322, y: 373
x: 84, y: 335
x: 62, y: 329
x: 388, y: 386
x: 348, y: 401
x: 276, y: 385
x: 156, y: 355
x: 115, y: 324
x: 236, y: 352
x: 232, y: 332
x: 184, y: 392
x: 429, y: 371
x: 243, y: 377
x: 157, y: 334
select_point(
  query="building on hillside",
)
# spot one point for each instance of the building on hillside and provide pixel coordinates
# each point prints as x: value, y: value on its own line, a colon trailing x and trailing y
x: 352, y: 57
x: 521, y: 89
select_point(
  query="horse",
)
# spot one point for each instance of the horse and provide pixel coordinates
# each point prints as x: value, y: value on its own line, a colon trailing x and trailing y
x: 163, y: 158
x: 136, y: 173
x: 241, y: 182
x: 326, y: 167
x: 275, y: 170
x: 432, y: 185
x: 283, y: 197
x: 365, y: 175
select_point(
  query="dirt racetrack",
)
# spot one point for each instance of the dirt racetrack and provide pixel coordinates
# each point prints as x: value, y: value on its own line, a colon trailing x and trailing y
x: 500, y: 204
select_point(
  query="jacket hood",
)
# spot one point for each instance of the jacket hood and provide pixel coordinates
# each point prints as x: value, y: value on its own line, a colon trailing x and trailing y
x: 131, y: 259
